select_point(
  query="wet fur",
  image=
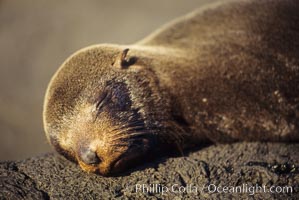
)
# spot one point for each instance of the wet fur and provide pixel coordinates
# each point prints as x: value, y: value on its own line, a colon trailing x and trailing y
x: 225, y: 73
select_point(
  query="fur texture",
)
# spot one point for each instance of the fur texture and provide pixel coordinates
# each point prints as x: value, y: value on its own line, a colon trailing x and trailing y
x: 228, y: 72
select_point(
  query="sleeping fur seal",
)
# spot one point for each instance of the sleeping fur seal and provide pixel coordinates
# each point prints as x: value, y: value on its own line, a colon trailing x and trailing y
x: 224, y: 73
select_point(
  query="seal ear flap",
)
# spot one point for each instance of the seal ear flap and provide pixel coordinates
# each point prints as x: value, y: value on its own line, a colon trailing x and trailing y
x: 122, y: 61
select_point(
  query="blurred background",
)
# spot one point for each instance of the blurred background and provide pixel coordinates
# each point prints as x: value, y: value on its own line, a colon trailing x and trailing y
x: 36, y: 36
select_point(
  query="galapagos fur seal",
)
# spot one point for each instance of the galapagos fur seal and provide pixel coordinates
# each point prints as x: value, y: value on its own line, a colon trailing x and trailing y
x: 224, y: 73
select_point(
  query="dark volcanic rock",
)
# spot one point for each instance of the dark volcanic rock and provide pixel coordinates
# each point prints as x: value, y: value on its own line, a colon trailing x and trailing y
x: 240, y: 164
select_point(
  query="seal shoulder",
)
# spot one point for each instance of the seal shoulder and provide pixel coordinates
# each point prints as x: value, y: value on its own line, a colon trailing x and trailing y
x: 226, y: 21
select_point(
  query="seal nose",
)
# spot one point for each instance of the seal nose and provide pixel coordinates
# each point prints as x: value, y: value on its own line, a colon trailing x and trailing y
x: 88, y: 156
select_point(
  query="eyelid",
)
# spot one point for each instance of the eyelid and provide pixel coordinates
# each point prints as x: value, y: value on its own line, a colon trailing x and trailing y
x: 103, y: 99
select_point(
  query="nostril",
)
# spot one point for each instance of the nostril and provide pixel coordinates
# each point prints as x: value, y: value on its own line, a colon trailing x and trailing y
x: 89, y: 157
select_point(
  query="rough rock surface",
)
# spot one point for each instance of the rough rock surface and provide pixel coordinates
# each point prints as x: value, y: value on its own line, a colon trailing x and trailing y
x: 240, y: 164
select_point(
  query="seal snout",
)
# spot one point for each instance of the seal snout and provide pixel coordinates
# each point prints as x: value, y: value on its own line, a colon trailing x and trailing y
x: 88, y: 156
x: 115, y: 160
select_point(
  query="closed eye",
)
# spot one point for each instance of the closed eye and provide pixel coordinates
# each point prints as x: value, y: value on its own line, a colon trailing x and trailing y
x: 115, y: 97
x: 103, y: 100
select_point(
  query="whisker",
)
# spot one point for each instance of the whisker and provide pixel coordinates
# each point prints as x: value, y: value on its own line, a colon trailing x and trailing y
x: 129, y: 136
x: 126, y: 131
x: 131, y: 124
x: 113, y: 134
x: 119, y: 145
x: 136, y: 122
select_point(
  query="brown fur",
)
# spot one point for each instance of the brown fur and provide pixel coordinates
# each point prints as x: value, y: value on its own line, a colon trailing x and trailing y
x: 224, y: 73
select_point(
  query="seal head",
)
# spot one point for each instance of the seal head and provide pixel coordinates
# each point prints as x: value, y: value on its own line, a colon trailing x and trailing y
x: 100, y: 112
